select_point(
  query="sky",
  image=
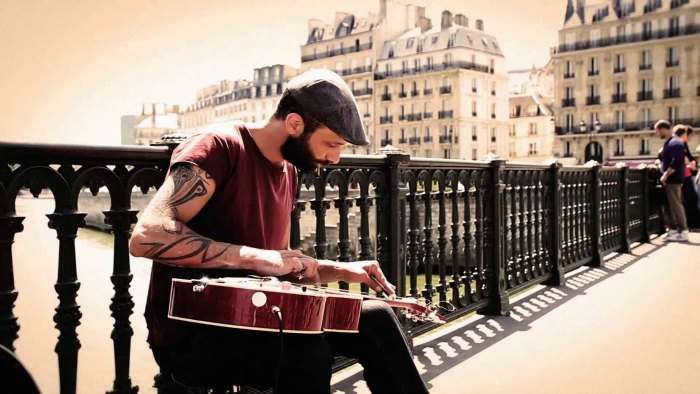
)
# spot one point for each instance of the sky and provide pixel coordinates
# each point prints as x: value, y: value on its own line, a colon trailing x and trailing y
x: 70, y: 69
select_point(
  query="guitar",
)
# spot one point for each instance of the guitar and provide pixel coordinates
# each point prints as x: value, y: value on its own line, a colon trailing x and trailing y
x: 267, y: 304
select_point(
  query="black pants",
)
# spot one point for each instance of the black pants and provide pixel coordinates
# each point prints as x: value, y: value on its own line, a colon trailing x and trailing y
x: 214, y: 355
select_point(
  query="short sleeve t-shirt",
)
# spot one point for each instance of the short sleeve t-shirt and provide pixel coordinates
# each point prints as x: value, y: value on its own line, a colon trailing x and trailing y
x: 251, y: 206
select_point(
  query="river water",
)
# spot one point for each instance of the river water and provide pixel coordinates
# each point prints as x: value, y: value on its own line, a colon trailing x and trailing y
x: 35, y: 253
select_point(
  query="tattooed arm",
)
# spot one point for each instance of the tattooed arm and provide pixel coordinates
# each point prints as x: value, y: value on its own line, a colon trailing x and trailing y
x: 161, y: 233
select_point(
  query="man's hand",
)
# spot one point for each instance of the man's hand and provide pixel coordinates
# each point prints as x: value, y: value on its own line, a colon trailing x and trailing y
x: 279, y: 262
x: 368, y: 272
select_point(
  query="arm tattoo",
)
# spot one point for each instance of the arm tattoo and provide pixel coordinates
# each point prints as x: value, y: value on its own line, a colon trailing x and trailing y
x: 207, y: 248
x: 189, y: 182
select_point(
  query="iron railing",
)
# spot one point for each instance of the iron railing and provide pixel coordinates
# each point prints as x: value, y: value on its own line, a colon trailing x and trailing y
x: 473, y: 232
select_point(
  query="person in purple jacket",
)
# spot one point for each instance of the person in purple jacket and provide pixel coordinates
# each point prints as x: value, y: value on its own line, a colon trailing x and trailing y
x: 672, y: 169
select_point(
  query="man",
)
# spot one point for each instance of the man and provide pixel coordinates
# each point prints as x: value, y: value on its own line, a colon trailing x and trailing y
x: 690, y: 197
x: 673, y: 167
x: 225, y: 206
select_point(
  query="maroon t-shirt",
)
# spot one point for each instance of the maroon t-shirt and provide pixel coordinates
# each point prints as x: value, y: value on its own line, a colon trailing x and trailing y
x: 251, y: 206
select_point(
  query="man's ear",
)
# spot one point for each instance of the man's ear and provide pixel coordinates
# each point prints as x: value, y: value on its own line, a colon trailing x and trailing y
x: 294, y: 124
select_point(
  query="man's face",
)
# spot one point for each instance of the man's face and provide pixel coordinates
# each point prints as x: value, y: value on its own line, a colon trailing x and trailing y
x: 662, y: 132
x: 313, y: 149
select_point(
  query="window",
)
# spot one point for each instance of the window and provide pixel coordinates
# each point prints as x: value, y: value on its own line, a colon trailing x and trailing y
x: 474, y: 154
x: 672, y: 114
x: 569, y: 122
x: 672, y: 82
x: 493, y: 88
x: 568, y: 69
x: 644, y: 147
x: 620, y: 31
x: 673, y: 26
x: 619, y: 87
x: 593, y: 66
x: 645, y: 118
x: 474, y: 108
x: 619, y: 62
x: 493, y: 134
x: 474, y: 87
x: 672, y: 57
x: 645, y: 60
x: 567, y: 152
x: 448, y: 58
x: 568, y: 92
x: 416, y: 64
x: 474, y: 134
x: 511, y: 131
x: 620, y: 120
x: 646, y: 30
x: 532, y: 151
x: 645, y: 85
x: 446, y: 153
x: 533, y: 128
x: 620, y: 144
x: 493, y: 111
x: 511, y: 149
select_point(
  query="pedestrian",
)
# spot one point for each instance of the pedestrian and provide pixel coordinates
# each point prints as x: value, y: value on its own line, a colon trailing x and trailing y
x: 690, y: 197
x: 672, y: 171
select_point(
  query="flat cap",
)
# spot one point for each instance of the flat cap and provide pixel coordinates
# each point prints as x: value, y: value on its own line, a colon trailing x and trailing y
x: 326, y: 97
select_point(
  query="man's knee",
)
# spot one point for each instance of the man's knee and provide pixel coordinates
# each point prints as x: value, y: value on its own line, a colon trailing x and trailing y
x: 377, y: 315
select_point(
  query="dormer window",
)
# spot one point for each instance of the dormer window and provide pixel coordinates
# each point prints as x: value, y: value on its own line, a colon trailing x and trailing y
x: 409, y: 43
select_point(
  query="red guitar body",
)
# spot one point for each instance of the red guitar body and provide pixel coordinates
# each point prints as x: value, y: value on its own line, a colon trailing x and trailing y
x: 258, y: 303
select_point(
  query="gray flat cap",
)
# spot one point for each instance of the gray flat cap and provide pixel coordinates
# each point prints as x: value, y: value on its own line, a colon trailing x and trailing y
x: 326, y: 97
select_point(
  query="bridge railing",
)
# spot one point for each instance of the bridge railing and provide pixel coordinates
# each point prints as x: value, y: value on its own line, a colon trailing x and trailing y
x: 462, y: 234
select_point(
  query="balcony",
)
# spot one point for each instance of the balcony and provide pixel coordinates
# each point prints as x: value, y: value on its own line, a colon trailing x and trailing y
x: 445, y: 89
x: 386, y: 119
x: 427, y: 138
x: 688, y: 29
x: 474, y: 90
x: 336, y: 52
x: 672, y: 63
x: 619, y: 98
x: 645, y: 96
x: 569, y: 75
x: 644, y: 67
x: 568, y: 102
x: 427, y: 115
x: 403, y: 140
x: 414, y: 141
x: 493, y: 92
x: 474, y: 114
x: 445, y: 114
x: 429, y: 68
x: 402, y: 117
x: 678, y: 3
x: 403, y: 94
x: 414, y: 93
x: 356, y: 70
x: 362, y: 92
x: 414, y: 117
x: 593, y: 100
x: 493, y: 116
x: 644, y: 152
x: 593, y: 73
x: 385, y: 142
x: 445, y: 139
x: 618, y: 70
x: 672, y: 93
x: 386, y: 96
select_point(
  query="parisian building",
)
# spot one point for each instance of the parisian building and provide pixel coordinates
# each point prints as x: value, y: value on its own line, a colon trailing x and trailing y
x: 531, y: 120
x: 155, y: 120
x: 238, y: 101
x: 442, y: 92
x: 619, y: 67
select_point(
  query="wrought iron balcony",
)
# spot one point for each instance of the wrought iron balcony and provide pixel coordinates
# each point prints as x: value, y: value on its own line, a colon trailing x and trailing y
x: 688, y: 29
x: 403, y: 94
x: 427, y: 92
x: 593, y: 73
x: 336, y: 52
x: 385, y: 142
x: 445, y: 114
x: 445, y: 89
x: 568, y: 102
x: 643, y: 67
x: 427, y: 138
x: 362, y: 92
x: 386, y: 119
x: 428, y: 115
x: 445, y: 139
x: 672, y: 93
x: 618, y: 70
x: 386, y: 96
x: 593, y: 100
x: 619, y: 98
x: 402, y: 140
x: 414, y: 141
x: 645, y: 95
x: 569, y: 75
x: 432, y: 68
x: 672, y: 63
x: 414, y: 117
x: 414, y: 93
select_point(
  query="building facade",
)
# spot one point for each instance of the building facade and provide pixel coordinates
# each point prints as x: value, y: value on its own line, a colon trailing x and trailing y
x: 351, y: 45
x: 155, y: 120
x: 619, y: 67
x: 531, y: 129
x: 239, y: 101
x: 442, y: 92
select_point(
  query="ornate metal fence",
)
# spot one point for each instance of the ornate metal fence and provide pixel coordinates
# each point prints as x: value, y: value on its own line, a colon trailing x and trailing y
x: 461, y: 234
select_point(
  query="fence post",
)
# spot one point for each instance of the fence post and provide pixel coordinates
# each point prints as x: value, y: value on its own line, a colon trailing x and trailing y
x: 646, y: 212
x: 499, y: 303
x: 557, y: 276
x: 625, y: 225
x: 392, y: 215
x: 596, y: 215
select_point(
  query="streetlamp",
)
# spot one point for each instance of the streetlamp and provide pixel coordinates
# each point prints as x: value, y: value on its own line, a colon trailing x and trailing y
x: 582, y: 127
x: 597, y: 126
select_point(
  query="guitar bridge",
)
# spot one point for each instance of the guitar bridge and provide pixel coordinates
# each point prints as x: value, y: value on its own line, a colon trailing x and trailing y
x: 198, y: 285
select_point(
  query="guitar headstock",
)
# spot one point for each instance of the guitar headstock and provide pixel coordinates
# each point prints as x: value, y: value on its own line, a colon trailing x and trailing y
x: 417, y: 310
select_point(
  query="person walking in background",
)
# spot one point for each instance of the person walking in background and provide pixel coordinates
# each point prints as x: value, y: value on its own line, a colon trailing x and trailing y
x: 690, y: 197
x: 673, y: 169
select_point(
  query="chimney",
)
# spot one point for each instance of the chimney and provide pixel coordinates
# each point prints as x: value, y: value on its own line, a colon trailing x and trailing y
x: 461, y: 20
x: 382, y: 10
x: 425, y: 24
x: 446, y: 20
x: 479, y: 24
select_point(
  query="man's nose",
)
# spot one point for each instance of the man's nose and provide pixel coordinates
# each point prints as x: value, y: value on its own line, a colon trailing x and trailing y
x: 333, y: 156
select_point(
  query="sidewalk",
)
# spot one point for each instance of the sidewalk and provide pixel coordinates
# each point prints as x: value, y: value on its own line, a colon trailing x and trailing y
x: 629, y: 327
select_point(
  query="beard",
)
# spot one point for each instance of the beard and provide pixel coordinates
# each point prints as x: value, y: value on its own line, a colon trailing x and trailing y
x: 298, y: 152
